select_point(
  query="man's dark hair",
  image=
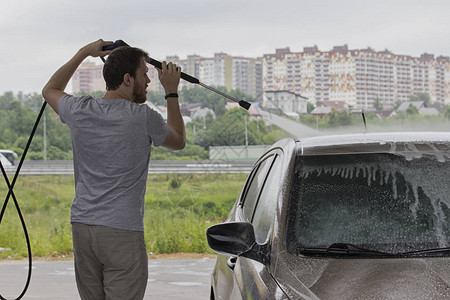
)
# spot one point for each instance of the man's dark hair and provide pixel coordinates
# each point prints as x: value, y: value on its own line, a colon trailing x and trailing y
x: 120, y: 61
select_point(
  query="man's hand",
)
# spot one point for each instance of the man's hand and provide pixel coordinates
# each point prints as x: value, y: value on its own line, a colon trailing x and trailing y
x: 94, y: 49
x: 54, y: 89
x: 169, y: 76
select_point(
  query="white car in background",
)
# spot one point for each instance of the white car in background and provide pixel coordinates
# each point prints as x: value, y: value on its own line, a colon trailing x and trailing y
x: 7, y: 158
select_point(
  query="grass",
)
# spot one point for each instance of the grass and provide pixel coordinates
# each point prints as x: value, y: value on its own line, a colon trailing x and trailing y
x: 179, y: 209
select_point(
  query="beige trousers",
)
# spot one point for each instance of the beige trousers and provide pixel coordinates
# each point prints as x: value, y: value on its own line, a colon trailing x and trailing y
x: 109, y: 263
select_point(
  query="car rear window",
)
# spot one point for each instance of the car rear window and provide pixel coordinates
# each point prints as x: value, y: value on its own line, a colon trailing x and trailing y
x: 384, y: 202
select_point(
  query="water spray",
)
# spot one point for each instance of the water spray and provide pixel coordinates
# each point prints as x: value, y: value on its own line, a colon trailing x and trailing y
x: 187, y: 77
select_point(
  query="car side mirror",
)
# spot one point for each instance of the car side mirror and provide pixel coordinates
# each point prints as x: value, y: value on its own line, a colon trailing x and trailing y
x: 236, y: 239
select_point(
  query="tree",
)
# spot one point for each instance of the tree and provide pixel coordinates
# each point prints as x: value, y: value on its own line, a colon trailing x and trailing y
x: 6, y: 99
x: 157, y: 98
x: 34, y: 101
x: 412, y: 110
x: 377, y: 105
x: 210, y: 99
x: 206, y: 98
x: 229, y: 130
x: 309, y: 107
x: 397, y: 104
x: 420, y: 97
x: 339, y: 119
x: 309, y: 119
x: 18, y: 115
x: 447, y: 112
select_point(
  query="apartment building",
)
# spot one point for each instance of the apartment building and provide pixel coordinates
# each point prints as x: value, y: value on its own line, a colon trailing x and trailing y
x: 288, y: 102
x: 357, y: 77
x: 154, y: 84
x: 190, y: 65
x: 224, y: 70
x: 88, y: 78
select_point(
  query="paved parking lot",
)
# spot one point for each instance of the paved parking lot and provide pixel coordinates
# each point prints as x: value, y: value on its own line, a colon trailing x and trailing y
x: 178, y: 279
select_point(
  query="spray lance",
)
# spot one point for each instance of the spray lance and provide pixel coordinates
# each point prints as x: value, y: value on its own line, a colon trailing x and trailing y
x: 189, y: 78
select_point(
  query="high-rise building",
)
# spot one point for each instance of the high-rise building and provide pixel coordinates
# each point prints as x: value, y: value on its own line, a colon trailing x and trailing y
x: 357, y: 77
x: 224, y: 70
x: 88, y: 78
x: 247, y: 75
x: 154, y: 84
x: 190, y: 65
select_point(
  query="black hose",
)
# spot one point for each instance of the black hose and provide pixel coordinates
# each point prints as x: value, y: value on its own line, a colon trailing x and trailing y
x: 11, y: 193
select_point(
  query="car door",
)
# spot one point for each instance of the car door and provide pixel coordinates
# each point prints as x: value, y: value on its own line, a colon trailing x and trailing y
x: 227, y: 286
x: 258, y: 206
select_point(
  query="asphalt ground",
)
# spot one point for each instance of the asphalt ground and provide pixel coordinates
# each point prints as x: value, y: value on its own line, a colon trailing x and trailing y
x: 178, y: 279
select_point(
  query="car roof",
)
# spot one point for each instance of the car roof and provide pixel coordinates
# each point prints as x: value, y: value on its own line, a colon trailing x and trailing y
x: 386, y: 142
x: 6, y: 151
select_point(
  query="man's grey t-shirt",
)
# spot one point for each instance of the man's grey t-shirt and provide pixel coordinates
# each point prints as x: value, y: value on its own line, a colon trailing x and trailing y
x: 111, y: 143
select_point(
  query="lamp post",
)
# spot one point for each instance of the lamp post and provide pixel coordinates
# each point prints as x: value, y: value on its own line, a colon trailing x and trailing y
x: 45, y: 137
x: 246, y: 137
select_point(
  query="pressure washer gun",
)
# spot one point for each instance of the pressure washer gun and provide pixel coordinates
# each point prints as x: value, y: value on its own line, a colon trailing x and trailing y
x: 189, y: 78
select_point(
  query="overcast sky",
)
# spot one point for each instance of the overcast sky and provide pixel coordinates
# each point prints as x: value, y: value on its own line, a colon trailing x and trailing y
x: 38, y: 36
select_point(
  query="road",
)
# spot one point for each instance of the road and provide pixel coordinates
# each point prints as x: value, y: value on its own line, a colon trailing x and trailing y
x: 177, y: 279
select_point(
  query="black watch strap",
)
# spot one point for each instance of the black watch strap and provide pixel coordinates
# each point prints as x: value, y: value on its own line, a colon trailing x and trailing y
x: 171, y: 95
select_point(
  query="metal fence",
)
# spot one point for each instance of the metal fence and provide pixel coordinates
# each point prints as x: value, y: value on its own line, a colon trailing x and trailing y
x: 60, y: 167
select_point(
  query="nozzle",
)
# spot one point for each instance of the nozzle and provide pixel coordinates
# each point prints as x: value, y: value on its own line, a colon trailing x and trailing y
x: 244, y: 104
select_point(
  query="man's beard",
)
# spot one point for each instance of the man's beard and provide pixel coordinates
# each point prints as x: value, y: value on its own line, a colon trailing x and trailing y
x: 140, y: 97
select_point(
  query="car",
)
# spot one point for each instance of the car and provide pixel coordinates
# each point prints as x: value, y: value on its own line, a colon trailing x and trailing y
x: 353, y: 216
x: 7, y: 157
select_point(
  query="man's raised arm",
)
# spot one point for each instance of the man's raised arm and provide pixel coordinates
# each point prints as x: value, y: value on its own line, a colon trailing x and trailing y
x: 54, y: 89
x: 169, y: 76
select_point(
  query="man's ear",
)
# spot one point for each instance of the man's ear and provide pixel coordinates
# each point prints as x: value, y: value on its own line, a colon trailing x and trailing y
x: 127, y: 79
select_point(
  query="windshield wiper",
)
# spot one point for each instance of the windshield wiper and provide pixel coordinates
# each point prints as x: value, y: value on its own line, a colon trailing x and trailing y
x: 344, y: 249
x: 444, y: 250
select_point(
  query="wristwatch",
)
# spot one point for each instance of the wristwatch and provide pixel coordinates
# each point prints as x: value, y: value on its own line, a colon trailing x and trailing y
x: 171, y: 95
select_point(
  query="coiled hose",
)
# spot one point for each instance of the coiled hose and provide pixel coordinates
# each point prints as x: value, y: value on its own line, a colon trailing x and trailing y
x: 11, y: 194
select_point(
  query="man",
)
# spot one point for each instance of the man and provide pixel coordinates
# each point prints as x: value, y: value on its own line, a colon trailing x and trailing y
x: 111, y: 142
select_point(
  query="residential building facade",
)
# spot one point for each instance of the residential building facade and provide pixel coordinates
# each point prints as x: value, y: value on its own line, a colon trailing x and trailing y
x: 224, y: 70
x: 360, y: 78
x: 88, y: 78
x: 286, y: 101
x: 357, y: 77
